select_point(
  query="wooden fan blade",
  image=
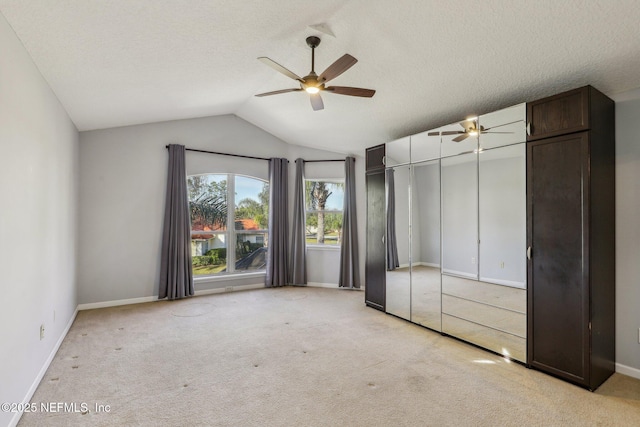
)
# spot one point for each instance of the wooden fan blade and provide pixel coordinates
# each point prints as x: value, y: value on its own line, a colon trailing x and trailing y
x: 340, y: 66
x: 275, y: 92
x: 451, y: 132
x: 279, y: 68
x: 316, y: 102
x: 433, y: 134
x: 461, y: 137
x: 351, y: 91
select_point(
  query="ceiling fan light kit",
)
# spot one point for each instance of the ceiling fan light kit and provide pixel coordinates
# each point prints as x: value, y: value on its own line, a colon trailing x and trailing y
x: 314, y: 84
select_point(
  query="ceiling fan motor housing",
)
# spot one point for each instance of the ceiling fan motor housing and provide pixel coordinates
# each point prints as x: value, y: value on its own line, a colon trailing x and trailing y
x: 313, y: 42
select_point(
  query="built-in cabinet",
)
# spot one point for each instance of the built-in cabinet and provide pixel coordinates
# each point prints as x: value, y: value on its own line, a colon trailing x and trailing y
x: 571, y: 233
x: 444, y: 195
x: 499, y: 230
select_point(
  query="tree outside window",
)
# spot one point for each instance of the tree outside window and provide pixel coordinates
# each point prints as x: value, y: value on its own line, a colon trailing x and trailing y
x: 324, y: 203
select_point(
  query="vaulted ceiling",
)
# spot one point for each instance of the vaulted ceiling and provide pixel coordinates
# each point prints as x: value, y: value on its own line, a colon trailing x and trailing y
x: 432, y: 62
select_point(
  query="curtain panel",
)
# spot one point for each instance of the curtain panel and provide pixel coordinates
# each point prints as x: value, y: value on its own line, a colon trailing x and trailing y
x: 176, y: 277
x: 278, y: 247
x: 298, y: 263
x: 349, y: 264
x: 392, y: 243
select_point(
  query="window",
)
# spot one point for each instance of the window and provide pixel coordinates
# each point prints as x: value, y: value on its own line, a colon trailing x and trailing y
x: 324, y: 202
x: 216, y: 200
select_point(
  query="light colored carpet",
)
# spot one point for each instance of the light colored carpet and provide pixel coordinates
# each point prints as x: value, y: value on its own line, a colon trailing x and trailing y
x: 301, y: 357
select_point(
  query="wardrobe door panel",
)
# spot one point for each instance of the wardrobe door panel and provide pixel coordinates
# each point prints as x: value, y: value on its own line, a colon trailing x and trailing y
x: 503, y: 215
x: 504, y: 127
x: 557, y: 115
x: 558, y: 206
x: 458, y: 139
x: 425, y: 146
x: 460, y: 215
x: 425, y: 244
x: 375, y: 158
x: 398, y: 152
x: 398, y: 244
x: 374, y: 291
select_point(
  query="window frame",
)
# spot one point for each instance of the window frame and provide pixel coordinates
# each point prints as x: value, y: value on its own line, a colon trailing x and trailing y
x: 231, y: 234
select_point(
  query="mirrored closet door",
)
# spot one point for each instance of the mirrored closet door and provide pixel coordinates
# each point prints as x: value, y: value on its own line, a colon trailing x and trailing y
x: 397, y: 242
x: 460, y: 215
x: 425, y: 244
x: 502, y: 215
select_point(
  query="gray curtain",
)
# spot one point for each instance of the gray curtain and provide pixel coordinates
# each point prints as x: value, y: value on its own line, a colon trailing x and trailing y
x: 278, y: 247
x: 298, y: 262
x: 176, y: 277
x: 349, y: 265
x: 392, y: 243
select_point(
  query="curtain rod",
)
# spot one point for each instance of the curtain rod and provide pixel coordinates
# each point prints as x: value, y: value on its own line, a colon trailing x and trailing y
x: 225, y: 154
x: 328, y: 160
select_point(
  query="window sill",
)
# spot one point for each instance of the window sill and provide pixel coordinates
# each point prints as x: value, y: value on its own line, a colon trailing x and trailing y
x: 331, y: 248
x: 227, y: 277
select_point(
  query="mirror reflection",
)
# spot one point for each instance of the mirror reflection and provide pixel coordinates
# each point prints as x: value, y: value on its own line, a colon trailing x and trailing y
x: 398, y: 277
x: 460, y: 215
x: 425, y: 244
x: 502, y: 210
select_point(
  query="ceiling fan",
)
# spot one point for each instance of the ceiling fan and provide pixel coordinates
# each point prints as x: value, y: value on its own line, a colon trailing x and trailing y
x: 470, y: 128
x: 313, y: 84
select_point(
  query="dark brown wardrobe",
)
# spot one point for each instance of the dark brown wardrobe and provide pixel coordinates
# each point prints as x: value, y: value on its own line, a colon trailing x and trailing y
x: 571, y: 236
x: 374, y: 290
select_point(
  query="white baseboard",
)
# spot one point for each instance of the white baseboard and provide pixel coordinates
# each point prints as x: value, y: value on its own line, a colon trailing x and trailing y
x: 427, y: 264
x: 510, y: 283
x: 322, y: 285
x: 628, y: 370
x: 116, y: 303
x: 43, y: 370
x: 460, y: 274
x: 230, y: 289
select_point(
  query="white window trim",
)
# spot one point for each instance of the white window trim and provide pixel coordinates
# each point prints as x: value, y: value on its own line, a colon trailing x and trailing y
x: 323, y: 247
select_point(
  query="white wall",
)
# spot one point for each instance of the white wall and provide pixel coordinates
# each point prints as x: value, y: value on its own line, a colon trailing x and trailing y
x: 38, y: 194
x: 122, y: 190
x: 628, y: 232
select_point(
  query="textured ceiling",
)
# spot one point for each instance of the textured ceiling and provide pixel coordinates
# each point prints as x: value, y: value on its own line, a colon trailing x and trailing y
x: 122, y: 62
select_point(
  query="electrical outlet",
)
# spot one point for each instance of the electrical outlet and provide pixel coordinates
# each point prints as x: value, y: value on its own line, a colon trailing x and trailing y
x: 501, y: 264
x: 42, y: 331
x: 229, y: 289
x: 473, y: 260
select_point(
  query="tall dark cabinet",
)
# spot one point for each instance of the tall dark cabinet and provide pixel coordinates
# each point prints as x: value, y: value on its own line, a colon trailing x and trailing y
x: 375, y: 258
x: 571, y: 236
